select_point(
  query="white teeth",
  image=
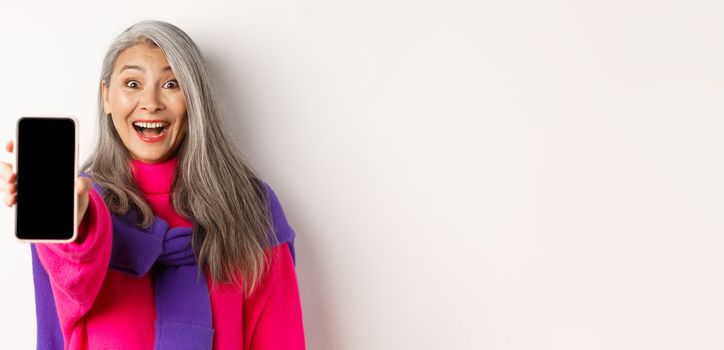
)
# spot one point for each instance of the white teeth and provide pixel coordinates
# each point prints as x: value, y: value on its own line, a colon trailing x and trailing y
x: 150, y: 125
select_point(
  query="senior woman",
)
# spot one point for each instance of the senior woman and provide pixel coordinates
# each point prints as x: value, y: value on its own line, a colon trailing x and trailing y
x: 181, y: 245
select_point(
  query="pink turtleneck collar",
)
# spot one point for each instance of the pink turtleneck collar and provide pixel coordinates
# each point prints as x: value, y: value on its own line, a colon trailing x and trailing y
x: 155, y: 178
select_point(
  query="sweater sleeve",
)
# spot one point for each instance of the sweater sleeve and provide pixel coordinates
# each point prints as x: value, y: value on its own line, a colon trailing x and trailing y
x: 77, y: 270
x: 273, y: 312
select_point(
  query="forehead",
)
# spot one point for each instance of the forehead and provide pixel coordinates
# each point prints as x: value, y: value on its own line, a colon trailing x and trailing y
x: 142, y: 55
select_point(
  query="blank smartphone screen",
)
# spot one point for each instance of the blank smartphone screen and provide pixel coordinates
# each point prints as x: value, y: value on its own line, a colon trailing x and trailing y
x: 45, y: 178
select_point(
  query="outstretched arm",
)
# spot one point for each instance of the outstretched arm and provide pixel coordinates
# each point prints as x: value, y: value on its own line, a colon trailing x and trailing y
x: 77, y: 270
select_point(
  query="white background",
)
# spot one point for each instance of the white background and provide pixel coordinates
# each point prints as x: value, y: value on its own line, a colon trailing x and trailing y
x: 461, y: 174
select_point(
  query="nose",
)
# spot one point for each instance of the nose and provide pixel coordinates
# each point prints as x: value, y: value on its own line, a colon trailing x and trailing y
x: 151, y: 101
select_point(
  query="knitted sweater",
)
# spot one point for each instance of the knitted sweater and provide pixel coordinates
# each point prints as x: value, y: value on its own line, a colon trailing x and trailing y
x: 101, y: 308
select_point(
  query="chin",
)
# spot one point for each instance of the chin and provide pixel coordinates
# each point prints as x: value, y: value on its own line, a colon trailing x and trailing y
x: 150, y: 158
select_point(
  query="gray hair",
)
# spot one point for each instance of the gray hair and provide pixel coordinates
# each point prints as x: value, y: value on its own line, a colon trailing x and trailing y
x: 213, y: 184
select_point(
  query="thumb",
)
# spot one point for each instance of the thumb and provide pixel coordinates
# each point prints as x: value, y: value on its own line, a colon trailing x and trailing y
x: 82, y: 185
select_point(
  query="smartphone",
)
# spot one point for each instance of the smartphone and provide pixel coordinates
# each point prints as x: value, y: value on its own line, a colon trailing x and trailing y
x: 46, y: 153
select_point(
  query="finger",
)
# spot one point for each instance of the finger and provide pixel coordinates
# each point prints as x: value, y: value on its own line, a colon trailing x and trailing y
x: 6, y: 172
x: 9, y: 146
x: 79, y: 186
x: 9, y: 199
x: 83, y: 185
x: 8, y: 187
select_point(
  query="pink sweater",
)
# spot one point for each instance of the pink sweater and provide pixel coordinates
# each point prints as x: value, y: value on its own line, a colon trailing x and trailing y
x: 101, y: 308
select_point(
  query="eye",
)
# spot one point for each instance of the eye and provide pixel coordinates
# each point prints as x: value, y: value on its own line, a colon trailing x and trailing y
x: 131, y: 83
x: 172, y: 83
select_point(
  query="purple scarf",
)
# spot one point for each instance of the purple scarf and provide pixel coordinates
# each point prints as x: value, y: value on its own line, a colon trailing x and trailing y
x: 183, y: 307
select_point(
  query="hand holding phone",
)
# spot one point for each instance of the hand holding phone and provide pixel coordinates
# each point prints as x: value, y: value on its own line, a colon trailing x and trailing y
x: 45, y: 161
x: 8, y: 178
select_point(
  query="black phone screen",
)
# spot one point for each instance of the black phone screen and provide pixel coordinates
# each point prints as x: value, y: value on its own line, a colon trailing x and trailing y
x: 46, y: 154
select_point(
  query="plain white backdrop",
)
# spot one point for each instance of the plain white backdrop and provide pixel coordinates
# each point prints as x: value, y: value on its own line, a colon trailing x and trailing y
x: 460, y: 174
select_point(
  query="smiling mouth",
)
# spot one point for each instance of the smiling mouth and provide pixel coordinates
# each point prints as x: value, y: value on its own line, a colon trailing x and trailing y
x: 151, y: 129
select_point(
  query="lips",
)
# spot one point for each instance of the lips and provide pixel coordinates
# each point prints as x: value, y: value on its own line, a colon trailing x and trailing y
x: 151, y: 131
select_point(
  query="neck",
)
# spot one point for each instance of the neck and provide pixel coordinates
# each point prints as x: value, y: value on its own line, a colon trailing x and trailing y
x: 154, y: 177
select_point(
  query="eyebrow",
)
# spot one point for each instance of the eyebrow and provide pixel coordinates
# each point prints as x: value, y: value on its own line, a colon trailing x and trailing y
x: 133, y: 66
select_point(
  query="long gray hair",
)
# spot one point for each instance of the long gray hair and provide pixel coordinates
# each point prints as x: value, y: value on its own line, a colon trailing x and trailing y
x: 213, y: 184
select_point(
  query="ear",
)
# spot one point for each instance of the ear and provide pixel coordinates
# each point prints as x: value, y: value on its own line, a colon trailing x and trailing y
x: 106, y: 103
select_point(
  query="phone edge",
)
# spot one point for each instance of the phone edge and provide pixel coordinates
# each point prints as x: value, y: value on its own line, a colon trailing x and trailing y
x: 75, y: 174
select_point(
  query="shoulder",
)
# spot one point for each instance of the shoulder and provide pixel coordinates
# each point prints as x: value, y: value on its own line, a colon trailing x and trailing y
x: 284, y: 232
x: 271, y: 196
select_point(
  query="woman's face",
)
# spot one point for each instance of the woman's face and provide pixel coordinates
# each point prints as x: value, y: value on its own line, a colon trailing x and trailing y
x: 146, y: 104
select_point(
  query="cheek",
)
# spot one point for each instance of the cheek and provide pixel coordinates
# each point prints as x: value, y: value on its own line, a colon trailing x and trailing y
x: 120, y: 126
x: 180, y: 105
x: 179, y: 108
x: 120, y: 102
